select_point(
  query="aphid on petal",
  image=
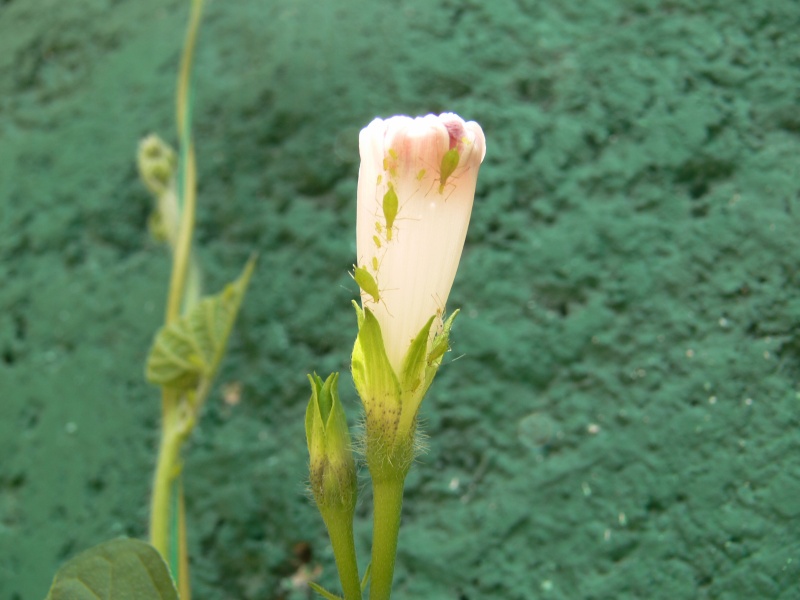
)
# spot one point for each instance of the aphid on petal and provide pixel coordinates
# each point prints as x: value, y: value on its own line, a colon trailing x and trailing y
x: 367, y: 283
x: 449, y: 164
x: 390, y: 206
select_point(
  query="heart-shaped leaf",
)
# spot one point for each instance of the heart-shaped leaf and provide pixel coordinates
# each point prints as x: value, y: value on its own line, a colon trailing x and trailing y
x: 190, y: 349
x: 123, y: 569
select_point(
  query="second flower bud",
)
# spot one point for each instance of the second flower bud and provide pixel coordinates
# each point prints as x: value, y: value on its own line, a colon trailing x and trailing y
x: 332, y: 469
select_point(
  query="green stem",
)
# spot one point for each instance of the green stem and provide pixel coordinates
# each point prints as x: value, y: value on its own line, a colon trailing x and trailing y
x: 188, y: 191
x: 183, y: 248
x: 167, y: 517
x: 388, y: 502
x: 184, y: 587
x: 340, y: 530
x: 174, y: 533
x: 185, y: 71
x: 167, y: 468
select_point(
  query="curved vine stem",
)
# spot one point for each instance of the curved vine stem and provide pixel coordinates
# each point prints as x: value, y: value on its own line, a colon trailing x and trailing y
x: 167, y: 517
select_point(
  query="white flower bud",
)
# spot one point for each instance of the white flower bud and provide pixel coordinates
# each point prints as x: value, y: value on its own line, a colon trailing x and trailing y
x: 416, y: 186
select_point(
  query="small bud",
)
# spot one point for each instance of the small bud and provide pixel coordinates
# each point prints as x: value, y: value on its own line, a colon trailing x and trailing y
x: 331, y: 466
x: 157, y: 163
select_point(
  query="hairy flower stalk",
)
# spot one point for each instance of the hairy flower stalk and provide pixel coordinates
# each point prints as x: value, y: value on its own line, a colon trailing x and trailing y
x: 416, y: 187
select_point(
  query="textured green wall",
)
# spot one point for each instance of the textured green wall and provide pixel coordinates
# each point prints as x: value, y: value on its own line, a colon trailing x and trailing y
x: 622, y: 419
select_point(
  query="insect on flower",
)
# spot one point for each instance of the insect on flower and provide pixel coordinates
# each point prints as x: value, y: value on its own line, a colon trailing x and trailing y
x: 390, y: 207
x: 448, y: 166
x: 366, y: 282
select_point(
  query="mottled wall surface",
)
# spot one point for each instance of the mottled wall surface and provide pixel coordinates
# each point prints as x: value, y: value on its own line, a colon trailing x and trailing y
x: 622, y: 417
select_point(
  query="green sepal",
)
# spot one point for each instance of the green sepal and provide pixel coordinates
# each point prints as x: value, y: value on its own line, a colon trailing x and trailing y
x: 365, y: 579
x: 325, y: 417
x: 323, y: 592
x: 373, y: 375
x: 440, y: 345
x: 420, y: 366
x: 357, y: 367
x: 359, y: 314
x: 187, y: 352
x: 415, y: 361
x: 122, y: 569
x: 312, y: 410
x: 391, y: 401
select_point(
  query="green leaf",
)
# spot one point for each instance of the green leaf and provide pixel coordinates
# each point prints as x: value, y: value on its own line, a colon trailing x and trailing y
x: 323, y: 592
x: 123, y: 569
x: 188, y: 351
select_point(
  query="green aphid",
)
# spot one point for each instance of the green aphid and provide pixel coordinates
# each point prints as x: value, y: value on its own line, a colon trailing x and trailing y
x: 449, y: 164
x: 367, y: 283
x: 377, y: 241
x: 390, y: 207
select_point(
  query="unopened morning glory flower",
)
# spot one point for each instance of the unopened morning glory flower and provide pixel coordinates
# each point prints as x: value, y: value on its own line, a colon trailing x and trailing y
x: 416, y: 187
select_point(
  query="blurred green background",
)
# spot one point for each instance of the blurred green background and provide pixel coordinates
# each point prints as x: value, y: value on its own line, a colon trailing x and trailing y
x: 621, y: 421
